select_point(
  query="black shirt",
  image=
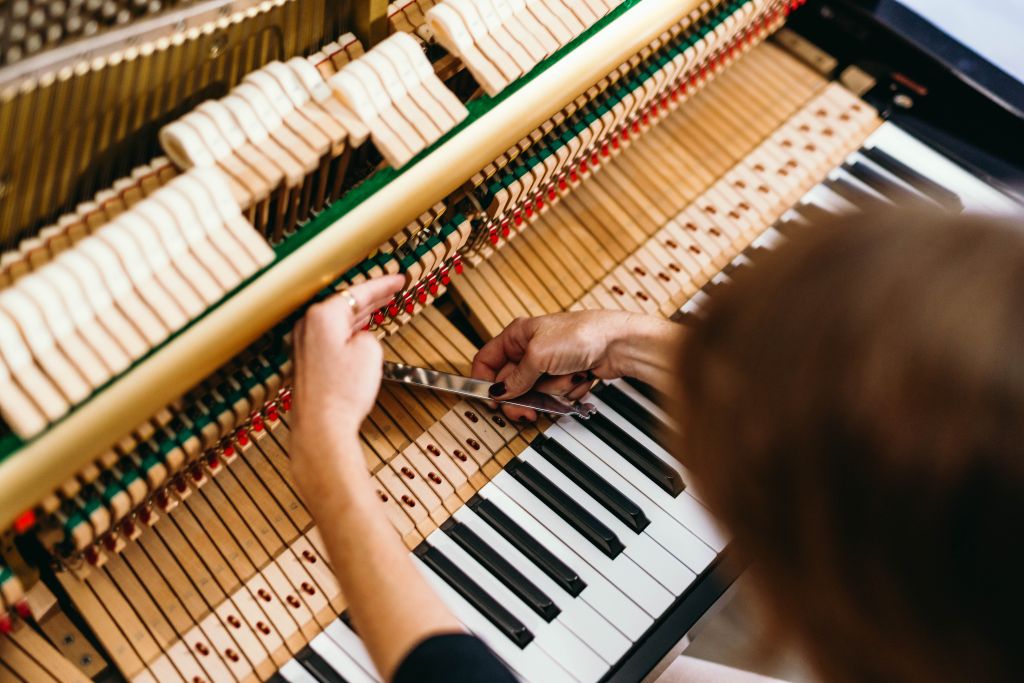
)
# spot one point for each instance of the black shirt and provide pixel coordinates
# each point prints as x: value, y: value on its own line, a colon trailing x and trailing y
x: 452, y: 657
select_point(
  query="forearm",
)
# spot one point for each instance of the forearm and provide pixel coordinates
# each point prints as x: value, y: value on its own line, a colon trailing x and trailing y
x: 390, y: 603
x: 649, y: 351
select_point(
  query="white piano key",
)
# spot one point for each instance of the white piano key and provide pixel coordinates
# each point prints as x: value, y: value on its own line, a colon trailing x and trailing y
x: 600, y: 593
x: 769, y: 239
x: 975, y: 194
x: 339, y: 660
x: 653, y: 559
x: 622, y: 571
x: 577, y: 615
x: 348, y: 641
x: 665, y: 529
x: 684, y: 507
x: 293, y: 672
x: 530, y: 662
x: 692, y: 307
x: 827, y: 200
x: 576, y: 660
x: 741, y: 261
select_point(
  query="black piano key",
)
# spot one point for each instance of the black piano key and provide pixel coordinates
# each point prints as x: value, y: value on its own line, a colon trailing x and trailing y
x: 625, y: 510
x: 645, y: 389
x: 346, y: 618
x: 276, y: 678
x: 892, y: 191
x: 921, y: 183
x: 488, y: 557
x: 317, y: 667
x: 603, y: 538
x: 559, y: 572
x: 502, y: 619
x: 636, y: 414
x: 635, y: 453
x: 864, y: 201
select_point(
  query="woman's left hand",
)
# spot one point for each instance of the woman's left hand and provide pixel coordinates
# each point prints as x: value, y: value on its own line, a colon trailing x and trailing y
x: 336, y: 379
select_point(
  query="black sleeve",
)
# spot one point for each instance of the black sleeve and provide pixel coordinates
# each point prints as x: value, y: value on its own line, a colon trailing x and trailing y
x: 452, y: 657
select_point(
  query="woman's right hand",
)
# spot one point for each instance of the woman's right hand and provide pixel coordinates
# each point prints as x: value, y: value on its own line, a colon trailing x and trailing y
x: 561, y: 353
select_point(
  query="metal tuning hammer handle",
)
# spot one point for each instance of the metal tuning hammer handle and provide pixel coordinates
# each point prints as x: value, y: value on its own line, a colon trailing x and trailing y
x: 478, y: 389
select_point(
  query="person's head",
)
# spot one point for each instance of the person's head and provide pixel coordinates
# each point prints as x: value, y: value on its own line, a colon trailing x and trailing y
x: 853, y: 413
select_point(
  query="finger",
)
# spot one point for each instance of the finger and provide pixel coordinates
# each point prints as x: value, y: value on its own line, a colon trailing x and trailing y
x: 367, y: 297
x: 579, y: 392
x: 329, y: 319
x: 520, y: 380
x: 562, y: 385
x: 519, y: 414
x: 515, y: 413
x: 376, y: 290
x: 508, y: 347
x: 504, y: 372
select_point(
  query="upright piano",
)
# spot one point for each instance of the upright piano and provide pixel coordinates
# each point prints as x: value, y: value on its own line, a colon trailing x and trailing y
x: 180, y: 179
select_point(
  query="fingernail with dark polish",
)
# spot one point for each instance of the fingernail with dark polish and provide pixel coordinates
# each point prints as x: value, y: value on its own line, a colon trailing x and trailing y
x: 497, y: 389
x: 579, y: 378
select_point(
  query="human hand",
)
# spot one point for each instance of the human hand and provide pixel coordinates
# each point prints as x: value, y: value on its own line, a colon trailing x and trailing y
x: 561, y: 354
x: 337, y: 375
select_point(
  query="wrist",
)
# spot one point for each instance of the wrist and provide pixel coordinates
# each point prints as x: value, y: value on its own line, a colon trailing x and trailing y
x: 645, y: 347
x: 332, y: 470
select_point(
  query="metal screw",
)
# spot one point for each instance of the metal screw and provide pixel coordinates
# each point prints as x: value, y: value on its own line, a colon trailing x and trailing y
x: 68, y: 639
x: 86, y: 660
